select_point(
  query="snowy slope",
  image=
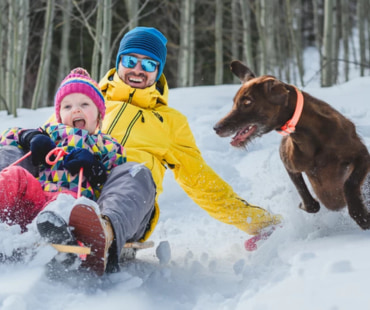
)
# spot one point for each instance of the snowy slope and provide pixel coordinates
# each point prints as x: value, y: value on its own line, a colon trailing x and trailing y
x: 318, y: 261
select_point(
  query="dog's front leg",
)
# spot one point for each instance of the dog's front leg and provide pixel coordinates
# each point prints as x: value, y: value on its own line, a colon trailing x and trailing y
x: 308, y: 204
x: 352, y: 191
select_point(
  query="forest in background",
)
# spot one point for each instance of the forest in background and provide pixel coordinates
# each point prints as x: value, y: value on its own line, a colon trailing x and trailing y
x: 41, y: 41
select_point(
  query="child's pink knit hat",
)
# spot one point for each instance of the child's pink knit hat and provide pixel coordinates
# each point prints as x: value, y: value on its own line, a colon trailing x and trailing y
x: 79, y: 81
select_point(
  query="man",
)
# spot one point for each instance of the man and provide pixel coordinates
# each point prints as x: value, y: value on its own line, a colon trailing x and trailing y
x: 158, y: 136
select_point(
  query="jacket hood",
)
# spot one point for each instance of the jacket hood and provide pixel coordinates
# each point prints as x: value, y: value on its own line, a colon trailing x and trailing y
x: 148, y: 98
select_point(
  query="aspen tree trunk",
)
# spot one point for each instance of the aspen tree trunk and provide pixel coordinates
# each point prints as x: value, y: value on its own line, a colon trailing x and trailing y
x: 294, y: 35
x: 235, y: 13
x: 260, y: 15
x: 345, y: 36
x: 16, y: 56
x: 183, y: 59
x: 105, y: 38
x: 191, y: 43
x: 327, y: 71
x: 336, y: 43
x: 318, y: 31
x: 269, y: 19
x: 367, y: 8
x: 361, y: 33
x: 64, y: 63
x: 9, y: 78
x: 96, y: 56
x: 3, y: 13
x: 22, y: 50
x: 42, y: 74
x: 94, y: 34
x: 124, y: 28
x: 247, y: 39
x: 368, y: 32
x: 132, y: 9
x: 219, y: 72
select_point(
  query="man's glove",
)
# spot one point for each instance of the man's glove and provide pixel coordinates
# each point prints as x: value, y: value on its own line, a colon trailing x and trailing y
x: 93, y: 169
x: 39, y: 143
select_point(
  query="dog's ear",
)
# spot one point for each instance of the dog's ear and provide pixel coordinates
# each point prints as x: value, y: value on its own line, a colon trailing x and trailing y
x: 276, y: 91
x: 241, y: 71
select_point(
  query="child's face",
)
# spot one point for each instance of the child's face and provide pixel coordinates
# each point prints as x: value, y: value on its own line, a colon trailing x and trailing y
x: 78, y: 110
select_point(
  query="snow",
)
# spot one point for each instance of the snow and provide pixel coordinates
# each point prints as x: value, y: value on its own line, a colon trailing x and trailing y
x: 315, y: 261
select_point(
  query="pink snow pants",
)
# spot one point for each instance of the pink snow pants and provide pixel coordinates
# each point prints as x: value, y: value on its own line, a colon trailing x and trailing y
x: 21, y: 196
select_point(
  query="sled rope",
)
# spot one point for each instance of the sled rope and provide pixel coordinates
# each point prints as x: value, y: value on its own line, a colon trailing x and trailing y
x: 20, y: 159
x: 59, y: 152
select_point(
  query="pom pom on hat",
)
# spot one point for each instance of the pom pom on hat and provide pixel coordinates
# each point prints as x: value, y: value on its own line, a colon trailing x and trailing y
x: 146, y: 41
x: 79, y: 81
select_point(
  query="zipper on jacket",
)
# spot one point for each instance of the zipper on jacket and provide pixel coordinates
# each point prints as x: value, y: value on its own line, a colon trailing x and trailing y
x: 129, y: 128
x: 117, y: 117
x: 121, y: 110
x: 158, y: 116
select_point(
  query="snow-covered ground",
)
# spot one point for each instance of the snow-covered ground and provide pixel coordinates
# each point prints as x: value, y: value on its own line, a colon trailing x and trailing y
x: 318, y: 261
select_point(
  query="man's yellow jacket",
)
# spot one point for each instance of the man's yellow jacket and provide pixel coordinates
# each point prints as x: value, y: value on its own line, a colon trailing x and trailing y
x: 160, y: 137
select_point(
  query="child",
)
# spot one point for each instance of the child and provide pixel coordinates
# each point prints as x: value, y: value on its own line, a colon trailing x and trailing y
x: 79, y: 109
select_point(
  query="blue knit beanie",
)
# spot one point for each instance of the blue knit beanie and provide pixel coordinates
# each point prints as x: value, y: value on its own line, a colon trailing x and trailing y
x: 145, y: 41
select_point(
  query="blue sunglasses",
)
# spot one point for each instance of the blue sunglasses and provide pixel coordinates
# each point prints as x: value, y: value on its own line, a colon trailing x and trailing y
x: 148, y: 65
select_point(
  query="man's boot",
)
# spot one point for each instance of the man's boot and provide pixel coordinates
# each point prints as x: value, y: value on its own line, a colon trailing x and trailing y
x: 94, y: 232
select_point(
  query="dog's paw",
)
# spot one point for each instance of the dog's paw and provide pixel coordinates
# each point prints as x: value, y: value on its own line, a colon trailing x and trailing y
x: 313, y: 207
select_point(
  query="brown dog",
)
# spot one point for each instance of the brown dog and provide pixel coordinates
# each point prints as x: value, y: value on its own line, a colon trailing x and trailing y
x: 318, y: 141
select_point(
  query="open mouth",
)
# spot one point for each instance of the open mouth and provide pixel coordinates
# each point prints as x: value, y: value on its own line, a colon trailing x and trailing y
x: 79, y: 123
x: 135, y: 80
x: 241, y: 137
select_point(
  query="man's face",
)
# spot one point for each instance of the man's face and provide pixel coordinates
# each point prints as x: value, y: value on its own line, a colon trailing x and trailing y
x: 137, y: 77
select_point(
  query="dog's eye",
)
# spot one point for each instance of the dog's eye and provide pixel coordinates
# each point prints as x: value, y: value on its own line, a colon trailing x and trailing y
x: 247, y: 100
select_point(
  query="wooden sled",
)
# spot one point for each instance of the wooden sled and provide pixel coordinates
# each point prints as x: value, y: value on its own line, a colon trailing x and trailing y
x: 84, y: 250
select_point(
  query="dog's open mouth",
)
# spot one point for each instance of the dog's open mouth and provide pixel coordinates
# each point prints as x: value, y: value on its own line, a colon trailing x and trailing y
x: 242, y: 135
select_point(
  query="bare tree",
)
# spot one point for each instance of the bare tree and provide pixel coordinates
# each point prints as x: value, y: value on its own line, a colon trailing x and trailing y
x: 345, y: 36
x: 22, y: 44
x: 295, y: 31
x: 96, y: 56
x: 191, y: 43
x: 105, y: 38
x: 41, y: 87
x: 3, y: 34
x: 17, y: 41
x: 318, y: 29
x: 245, y: 8
x: 361, y: 22
x: 10, y: 60
x: 219, y: 64
x: 327, y: 71
x: 185, y: 64
x: 64, y: 56
x: 235, y: 13
x: 124, y: 29
x: 263, y: 20
x: 132, y: 9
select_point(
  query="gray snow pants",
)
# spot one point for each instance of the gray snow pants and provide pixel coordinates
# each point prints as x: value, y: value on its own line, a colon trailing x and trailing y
x: 10, y: 154
x: 128, y: 198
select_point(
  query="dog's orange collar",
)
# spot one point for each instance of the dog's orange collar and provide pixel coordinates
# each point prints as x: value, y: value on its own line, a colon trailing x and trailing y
x: 289, y: 126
